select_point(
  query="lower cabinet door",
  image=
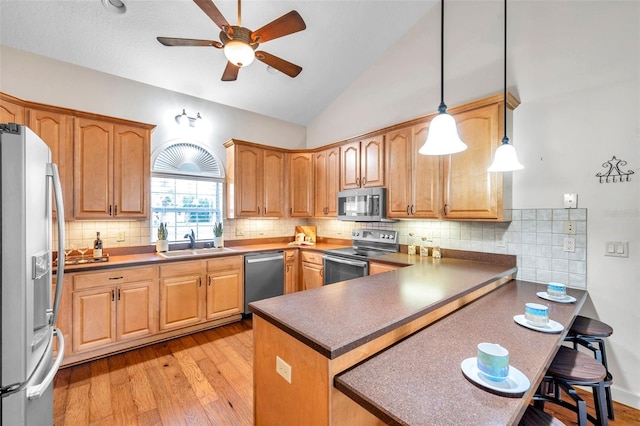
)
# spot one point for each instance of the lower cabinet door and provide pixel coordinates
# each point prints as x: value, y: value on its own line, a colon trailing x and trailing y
x: 224, y: 293
x: 135, y: 311
x: 180, y: 301
x: 94, y: 318
x: 312, y: 275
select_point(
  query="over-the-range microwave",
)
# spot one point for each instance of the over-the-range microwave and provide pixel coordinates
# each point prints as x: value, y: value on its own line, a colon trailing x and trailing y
x: 363, y: 205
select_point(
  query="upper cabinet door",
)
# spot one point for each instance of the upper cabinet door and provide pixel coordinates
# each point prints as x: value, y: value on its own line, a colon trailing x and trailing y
x: 300, y: 184
x: 131, y: 172
x: 327, y: 182
x: 56, y: 130
x: 372, y: 162
x: 426, y: 178
x: 273, y: 181
x: 248, y: 191
x: 93, y: 169
x: 470, y: 191
x: 11, y: 112
x: 350, y: 157
x: 399, y: 144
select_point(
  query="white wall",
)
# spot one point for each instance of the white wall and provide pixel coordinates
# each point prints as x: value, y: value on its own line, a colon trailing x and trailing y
x: 37, y: 78
x: 575, y: 65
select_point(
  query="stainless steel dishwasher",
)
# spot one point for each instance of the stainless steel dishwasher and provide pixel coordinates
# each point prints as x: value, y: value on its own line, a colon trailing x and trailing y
x: 263, y: 277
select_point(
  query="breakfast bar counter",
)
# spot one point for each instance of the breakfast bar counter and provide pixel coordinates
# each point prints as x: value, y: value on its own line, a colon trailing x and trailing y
x: 303, y: 340
x: 419, y: 381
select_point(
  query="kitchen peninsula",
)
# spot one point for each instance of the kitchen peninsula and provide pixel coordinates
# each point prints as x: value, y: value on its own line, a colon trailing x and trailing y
x: 346, y: 332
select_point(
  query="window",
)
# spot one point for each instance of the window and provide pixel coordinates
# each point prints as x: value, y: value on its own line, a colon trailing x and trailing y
x: 187, y: 187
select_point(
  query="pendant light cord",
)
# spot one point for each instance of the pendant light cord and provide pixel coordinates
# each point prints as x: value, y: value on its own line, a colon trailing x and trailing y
x: 505, y: 139
x: 442, y: 108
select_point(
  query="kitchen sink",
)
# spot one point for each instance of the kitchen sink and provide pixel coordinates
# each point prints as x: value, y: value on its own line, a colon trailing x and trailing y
x: 194, y: 252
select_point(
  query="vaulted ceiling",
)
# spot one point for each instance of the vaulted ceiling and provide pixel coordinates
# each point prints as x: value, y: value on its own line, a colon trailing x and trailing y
x: 342, y: 39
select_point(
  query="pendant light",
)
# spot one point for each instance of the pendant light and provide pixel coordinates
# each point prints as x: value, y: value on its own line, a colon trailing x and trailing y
x: 505, y: 158
x: 443, y: 134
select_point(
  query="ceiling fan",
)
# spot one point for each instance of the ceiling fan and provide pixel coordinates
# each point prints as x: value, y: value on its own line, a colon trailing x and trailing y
x: 240, y: 43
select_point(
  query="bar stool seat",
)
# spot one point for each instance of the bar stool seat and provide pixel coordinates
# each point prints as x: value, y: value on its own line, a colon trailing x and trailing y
x: 535, y: 417
x: 572, y: 367
x: 587, y: 331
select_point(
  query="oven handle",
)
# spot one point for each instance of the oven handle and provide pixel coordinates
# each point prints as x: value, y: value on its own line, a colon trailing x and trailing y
x: 359, y: 263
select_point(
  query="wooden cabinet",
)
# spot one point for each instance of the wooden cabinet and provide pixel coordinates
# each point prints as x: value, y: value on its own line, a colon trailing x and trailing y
x: 362, y: 164
x: 300, y: 184
x: 225, y: 287
x: 290, y: 271
x: 11, y: 110
x: 181, y: 295
x: 413, y: 180
x: 470, y: 191
x: 185, y: 299
x: 111, y: 170
x: 378, y: 268
x: 109, y: 307
x: 255, y: 180
x: 56, y: 129
x: 326, y: 170
x: 312, y: 270
x: 456, y: 186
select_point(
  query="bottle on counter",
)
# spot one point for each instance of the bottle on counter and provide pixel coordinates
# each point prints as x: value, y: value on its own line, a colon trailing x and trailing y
x: 97, y: 247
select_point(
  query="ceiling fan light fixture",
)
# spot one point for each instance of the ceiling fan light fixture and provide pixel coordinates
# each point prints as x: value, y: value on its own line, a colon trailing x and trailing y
x: 239, y: 53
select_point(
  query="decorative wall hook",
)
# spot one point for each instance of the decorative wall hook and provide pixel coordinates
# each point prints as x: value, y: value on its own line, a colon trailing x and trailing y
x: 614, y: 174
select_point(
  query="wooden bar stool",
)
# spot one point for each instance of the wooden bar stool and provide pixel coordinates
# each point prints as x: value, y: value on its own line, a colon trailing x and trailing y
x: 585, y: 331
x: 572, y: 367
x: 536, y: 417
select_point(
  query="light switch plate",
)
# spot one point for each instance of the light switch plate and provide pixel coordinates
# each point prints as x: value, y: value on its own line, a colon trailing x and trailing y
x: 570, y: 201
x: 616, y: 248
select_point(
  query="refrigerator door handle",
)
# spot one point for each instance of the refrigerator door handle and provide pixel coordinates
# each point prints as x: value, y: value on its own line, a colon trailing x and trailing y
x: 35, y: 392
x: 52, y: 170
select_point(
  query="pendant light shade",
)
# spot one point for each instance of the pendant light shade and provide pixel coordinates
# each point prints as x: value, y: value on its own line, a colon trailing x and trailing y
x: 443, y: 137
x: 505, y: 158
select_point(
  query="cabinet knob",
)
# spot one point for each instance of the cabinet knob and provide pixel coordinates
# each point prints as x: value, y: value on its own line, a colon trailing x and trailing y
x: 364, y: 181
x: 445, y: 209
x: 413, y: 209
x: 113, y: 295
x: 258, y: 209
x: 118, y: 294
x: 408, y: 210
x: 358, y: 181
x: 115, y: 210
x: 109, y: 209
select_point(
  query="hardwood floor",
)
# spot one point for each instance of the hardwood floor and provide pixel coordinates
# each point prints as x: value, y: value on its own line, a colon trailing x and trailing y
x: 202, y: 379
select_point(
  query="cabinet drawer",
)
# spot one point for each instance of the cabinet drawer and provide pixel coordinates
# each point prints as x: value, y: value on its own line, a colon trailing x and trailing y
x: 312, y: 257
x: 225, y: 263
x: 112, y: 277
x: 181, y: 268
x: 290, y: 255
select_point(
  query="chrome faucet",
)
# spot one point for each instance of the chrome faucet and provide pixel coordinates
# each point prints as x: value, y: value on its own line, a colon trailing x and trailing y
x: 192, y: 239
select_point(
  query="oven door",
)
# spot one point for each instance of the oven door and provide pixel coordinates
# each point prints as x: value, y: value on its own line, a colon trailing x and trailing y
x: 338, y: 269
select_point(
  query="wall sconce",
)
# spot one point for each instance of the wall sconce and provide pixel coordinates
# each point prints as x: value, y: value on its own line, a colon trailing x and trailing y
x: 184, y: 120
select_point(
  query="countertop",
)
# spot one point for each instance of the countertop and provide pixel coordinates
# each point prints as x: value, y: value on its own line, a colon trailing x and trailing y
x: 154, y: 258
x: 337, y: 318
x: 419, y: 380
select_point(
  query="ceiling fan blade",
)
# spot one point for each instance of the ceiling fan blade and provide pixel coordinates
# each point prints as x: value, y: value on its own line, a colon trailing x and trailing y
x: 292, y: 70
x: 172, y: 41
x: 287, y: 24
x: 230, y: 72
x: 212, y: 12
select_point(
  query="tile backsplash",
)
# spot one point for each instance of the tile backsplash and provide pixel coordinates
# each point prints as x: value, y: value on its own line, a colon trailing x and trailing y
x: 536, y: 236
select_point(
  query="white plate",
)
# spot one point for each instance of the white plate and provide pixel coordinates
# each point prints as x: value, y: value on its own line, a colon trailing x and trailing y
x: 515, y: 384
x: 551, y: 327
x: 565, y: 299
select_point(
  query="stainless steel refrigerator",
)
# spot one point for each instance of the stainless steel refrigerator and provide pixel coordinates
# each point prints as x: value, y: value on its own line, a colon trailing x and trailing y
x: 28, y: 314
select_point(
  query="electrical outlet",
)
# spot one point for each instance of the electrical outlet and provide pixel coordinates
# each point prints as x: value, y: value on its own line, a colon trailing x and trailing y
x: 570, y: 227
x: 283, y: 369
x: 120, y: 236
x: 569, y: 245
x: 239, y: 232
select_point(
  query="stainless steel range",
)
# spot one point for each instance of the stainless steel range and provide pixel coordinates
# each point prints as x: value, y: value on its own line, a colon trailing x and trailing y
x: 353, y: 262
